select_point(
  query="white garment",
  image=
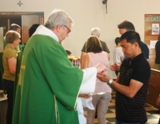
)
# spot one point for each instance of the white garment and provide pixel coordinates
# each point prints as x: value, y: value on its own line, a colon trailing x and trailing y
x: 87, y: 87
x: 83, y: 102
x: 82, y: 119
x: 89, y: 80
x: 87, y: 103
x: 117, y: 54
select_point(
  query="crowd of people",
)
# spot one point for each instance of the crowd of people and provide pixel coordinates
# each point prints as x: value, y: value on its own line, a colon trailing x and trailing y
x: 43, y: 86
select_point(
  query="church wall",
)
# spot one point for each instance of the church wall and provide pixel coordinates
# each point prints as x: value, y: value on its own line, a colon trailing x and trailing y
x: 89, y: 13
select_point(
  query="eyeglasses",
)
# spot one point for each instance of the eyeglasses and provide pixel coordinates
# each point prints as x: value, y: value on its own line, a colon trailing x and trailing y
x: 67, y: 29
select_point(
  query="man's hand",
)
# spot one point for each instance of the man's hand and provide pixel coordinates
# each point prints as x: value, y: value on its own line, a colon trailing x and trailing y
x: 103, y: 76
x: 115, y: 67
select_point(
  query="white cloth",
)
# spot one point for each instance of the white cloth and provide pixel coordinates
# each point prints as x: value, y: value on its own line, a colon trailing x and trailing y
x: 89, y: 80
x: 88, y: 103
x: 83, y: 102
x: 82, y: 119
x: 87, y: 87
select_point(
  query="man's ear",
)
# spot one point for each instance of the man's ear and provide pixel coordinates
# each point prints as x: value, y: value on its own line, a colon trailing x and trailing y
x: 58, y: 28
x: 136, y: 44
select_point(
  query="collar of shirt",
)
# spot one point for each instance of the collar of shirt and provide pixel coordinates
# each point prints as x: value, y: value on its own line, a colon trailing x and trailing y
x: 45, y: 31
x: 134, y: 60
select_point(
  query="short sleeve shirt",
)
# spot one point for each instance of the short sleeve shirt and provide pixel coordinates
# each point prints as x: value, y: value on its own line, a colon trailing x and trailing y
x: 132, y: 110
x: 8, y: 53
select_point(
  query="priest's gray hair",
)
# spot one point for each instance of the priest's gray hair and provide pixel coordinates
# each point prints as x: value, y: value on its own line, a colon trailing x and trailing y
x: 95, y: 31
x: 58, y: 17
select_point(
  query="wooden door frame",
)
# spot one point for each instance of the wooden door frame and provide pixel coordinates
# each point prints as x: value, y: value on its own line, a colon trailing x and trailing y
x: 11, y: 15
x: 15, y: 14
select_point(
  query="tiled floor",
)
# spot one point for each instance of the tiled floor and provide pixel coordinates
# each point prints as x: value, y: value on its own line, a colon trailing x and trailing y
x: 153, y: 114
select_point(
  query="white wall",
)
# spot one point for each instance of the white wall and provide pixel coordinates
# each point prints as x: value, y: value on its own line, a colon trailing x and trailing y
x: 89, y: 13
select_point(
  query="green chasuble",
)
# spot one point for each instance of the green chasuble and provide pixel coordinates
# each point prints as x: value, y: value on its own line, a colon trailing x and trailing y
x: 48, y: 84
x: 18, y: 65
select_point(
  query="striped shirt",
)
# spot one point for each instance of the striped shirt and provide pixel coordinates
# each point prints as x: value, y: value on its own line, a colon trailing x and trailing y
x: 132, y: 110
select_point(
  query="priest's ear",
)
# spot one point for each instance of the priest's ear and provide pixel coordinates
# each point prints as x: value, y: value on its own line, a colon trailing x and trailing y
x: 57, y: 29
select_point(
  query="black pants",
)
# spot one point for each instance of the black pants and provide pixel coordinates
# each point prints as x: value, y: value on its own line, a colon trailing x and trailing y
x: 117, y: 71
x: 8, y: 87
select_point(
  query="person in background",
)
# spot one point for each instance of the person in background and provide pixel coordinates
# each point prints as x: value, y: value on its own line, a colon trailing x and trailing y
x: 94, y: 55
x: 32, y: 29
x: 69, y: 53
x: 9, y: 60
x: 17, y: 28
x: 45, y: 66
x: 128, y: 26
x: 95, y: 31
x: 157, y: 51
x: 118, y: 54
x: 131, y: 85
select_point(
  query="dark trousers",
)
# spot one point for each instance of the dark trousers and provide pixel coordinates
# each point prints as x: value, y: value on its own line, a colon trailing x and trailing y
x: 8, y: 87
x: 117, y: 71
x: 119, y: 122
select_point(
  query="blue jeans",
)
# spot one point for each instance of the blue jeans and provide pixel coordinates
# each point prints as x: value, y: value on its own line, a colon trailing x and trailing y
x: 120, y: 122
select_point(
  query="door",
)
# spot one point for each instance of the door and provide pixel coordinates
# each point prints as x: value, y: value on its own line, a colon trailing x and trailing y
x: 27, y: 22
x: 24, y: 19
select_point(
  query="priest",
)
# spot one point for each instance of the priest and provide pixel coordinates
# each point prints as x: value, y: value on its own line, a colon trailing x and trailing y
x: 49, y: 85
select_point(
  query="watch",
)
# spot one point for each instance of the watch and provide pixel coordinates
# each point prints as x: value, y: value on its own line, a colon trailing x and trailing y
x: 110, y: 82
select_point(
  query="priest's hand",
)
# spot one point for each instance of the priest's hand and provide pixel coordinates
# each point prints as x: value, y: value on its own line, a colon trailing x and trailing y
x: 84, y: 96
x: 100, y: 68
x: 103, y: 76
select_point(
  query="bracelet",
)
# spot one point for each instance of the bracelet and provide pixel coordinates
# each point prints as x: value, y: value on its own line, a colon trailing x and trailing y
x: 110, y: 82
